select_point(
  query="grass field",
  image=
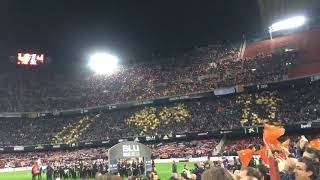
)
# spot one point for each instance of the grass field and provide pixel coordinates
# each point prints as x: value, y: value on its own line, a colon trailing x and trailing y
x: 164, y: 171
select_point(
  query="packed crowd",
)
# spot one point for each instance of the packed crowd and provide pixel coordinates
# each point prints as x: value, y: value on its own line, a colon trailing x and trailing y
x: 200, y: 148
x: 56, y: 157
x: 203, y: 69
x: 181, y: 149
x: 302, y: 164
x: 285, y: 106
x: 26, y: 131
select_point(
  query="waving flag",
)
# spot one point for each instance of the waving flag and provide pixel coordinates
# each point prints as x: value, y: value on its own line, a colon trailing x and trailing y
x: 315, y: 144
x: 263, y: 154
x: 245, y: 156
x: 270, y: 136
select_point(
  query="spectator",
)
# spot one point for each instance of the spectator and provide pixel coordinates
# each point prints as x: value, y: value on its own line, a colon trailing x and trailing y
x: 288, y: 172
x: 174, y: 167
x: 217, y: 173
x: 49, y: 172
x: 306, y: 169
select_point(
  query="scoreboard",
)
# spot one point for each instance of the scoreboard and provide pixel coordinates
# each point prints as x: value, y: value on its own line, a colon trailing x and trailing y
x: 30, y: 59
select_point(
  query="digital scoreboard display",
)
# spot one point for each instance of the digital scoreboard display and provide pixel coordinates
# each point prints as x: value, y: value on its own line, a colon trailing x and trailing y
x: 30, y: 59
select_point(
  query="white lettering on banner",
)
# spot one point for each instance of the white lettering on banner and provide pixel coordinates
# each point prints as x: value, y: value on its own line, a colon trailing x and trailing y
x: 263, y: 86
x: 131, y: 150
x: 223, y: 91
x: 39, y: 147
x: 18, y: 148
x: 203, y: 134
x: 150, y: 138
x: 143, y: 102
x: 304, y: 126
x: 56, y: 146
x: 179, y: 97
x: 112, y: 107
x: 225, y: 132
x: 105, y: 142
x: 180, y: 135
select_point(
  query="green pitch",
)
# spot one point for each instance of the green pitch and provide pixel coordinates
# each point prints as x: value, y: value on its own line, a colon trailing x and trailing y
x: 163, y: 170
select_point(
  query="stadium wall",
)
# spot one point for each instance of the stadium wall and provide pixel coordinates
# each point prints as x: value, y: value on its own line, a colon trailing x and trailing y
x: 199, y: 159
x: 307, y: 42
x: 6, y: 170
x: 304, y: 70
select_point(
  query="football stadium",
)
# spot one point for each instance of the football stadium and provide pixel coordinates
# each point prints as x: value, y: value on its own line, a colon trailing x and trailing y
x: 151, y: 90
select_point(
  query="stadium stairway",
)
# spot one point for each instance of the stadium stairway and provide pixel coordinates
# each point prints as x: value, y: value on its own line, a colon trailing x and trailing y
x: 220, y: 147
x: 242, y: 49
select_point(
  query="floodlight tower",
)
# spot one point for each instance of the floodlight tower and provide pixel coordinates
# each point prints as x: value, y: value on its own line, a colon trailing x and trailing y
x: 289, y: 23
x: 103, y: 63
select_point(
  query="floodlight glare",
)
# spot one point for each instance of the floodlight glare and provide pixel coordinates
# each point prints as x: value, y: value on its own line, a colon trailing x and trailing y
x: 290, y: 23
x: 103, y: 63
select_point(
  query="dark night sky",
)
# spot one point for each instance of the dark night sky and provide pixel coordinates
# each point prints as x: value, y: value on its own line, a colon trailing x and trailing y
x: 71, y: 29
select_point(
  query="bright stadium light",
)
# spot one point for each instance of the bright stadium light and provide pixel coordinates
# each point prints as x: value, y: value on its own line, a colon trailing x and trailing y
x: 103, y: 63
x: 290, y: 23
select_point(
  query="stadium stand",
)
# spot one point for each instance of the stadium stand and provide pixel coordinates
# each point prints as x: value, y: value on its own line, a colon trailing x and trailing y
x: 204, y: 69
x: 286, y: 106
x: 306, y: 41
x: 241, y: 94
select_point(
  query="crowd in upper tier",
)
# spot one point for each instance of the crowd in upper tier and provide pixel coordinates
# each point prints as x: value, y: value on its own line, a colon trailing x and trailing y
x: 202, y: 69
x: 285, y: 106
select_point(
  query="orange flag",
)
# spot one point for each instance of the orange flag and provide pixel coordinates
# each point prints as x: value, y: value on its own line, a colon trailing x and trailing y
x: 315, y: 144
x: 263, y: 154
x: 286, y: 144
x: 270, y: 136
x: 285, y: 149
x: 245, y: 156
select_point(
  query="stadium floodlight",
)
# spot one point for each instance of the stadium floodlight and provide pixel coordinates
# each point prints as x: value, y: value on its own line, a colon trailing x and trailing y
x: 103, y: 63
x: 289, y: 23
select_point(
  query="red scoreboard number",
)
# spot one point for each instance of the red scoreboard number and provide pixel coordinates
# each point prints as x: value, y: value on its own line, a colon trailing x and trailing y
x: 30, y: 59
